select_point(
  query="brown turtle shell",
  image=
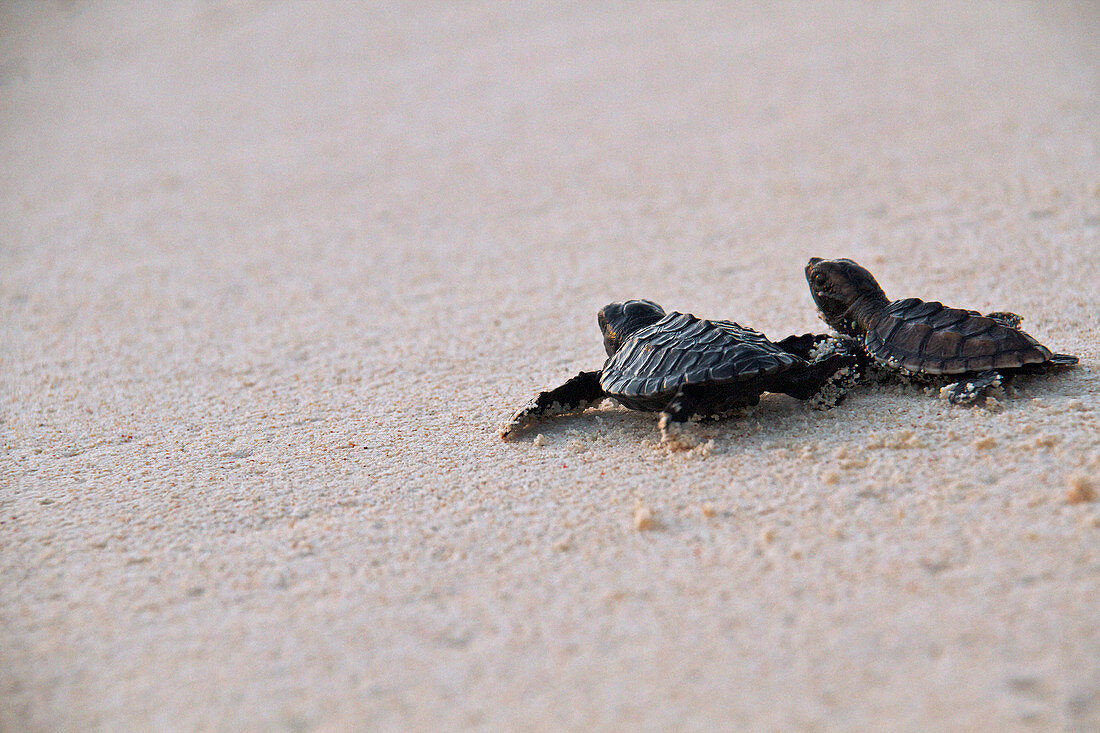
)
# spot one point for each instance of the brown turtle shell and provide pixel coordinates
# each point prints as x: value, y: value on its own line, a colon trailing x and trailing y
x: 682, y: 349
x: 929, y: 337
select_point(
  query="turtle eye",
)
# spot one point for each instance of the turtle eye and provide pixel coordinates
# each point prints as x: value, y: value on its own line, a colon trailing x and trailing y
x: 819, y: 279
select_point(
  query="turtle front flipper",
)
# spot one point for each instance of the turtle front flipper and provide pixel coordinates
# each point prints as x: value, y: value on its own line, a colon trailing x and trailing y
x: 580, y: 392
x: 965, y: 391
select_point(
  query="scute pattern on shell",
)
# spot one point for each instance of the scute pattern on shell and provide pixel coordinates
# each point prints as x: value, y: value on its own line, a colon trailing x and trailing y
x: 682, y: 349
x: 926, y: 336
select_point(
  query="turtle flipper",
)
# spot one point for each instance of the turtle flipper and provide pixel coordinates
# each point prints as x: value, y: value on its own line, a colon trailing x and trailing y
x: 1056, y: 361
x: 580, y: 392
x: 802, y: 345
x: 1011, y: 320
x: 681, y: 409
x: 964, y: 392
x: 817, y: 347
x: 825, y: 381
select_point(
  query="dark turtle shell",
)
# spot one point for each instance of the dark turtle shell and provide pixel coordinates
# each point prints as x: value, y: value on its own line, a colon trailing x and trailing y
x: 929, y: 337
x: 681, y: 349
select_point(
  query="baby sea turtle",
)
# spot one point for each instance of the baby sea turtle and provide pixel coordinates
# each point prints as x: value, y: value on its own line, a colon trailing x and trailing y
x: 916, y: 338
x: 684, y: 367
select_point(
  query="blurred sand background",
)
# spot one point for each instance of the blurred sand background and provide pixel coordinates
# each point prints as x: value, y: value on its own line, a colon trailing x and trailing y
x: 271, y: 273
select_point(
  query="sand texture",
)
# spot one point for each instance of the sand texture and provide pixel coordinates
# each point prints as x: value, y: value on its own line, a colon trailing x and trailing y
x: 272, y: 273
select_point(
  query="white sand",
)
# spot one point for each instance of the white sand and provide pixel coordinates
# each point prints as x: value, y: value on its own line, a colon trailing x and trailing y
x: 271, y: 274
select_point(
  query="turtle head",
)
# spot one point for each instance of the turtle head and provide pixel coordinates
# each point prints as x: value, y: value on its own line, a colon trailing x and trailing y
x: 620, y: 321
x: 847, y: 295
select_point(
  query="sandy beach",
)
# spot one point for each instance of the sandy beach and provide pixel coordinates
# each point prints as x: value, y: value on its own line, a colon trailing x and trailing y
x: 272, y: 274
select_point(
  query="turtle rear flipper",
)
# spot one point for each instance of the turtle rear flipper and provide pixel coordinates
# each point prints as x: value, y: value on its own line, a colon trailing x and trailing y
x: 580, y: 392
x: 831, y: 375
x: 697, y: 401
x: 967, y: 390
x: 1055, y: 361
x: 678, y: 411
x: 803, y: 345
x: 1011, y: 320
x: 1062, y: 360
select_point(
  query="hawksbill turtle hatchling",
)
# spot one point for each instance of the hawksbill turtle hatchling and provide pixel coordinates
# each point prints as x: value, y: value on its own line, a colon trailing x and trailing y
x: 926, y: 341
x: 686, y: 367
